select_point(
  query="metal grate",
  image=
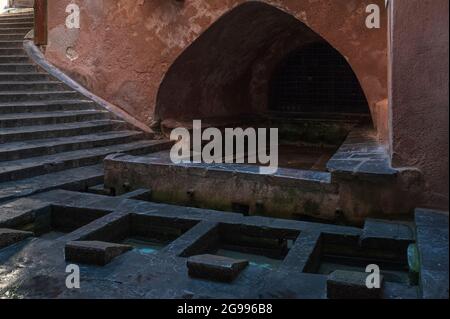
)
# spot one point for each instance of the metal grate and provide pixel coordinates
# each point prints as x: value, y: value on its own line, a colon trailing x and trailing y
x: 316, y: 79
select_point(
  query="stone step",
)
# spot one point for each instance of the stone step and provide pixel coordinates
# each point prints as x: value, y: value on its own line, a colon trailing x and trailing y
x: 12, y: 24
x: 18, y: 67
x: 14, y: 59
x: 26, y: 19
x: 15, y: 44
x: 78, y: 179
x: 18, y: 134
x: 12, y: 36
x: 30, y: 167
x: 45, y: 118
x: 14, y: 30
x: 10, y: 17
x: 24, y: 96
x: 17, y: 86
x: 46, y: 106
x: 29, y: 15
x: 25, y: 77
x: 12, y: 51
x: 27, y: 149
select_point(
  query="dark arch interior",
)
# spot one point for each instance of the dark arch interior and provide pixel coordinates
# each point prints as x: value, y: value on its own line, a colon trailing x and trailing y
x: 258, y: 66
x: 316, y: 79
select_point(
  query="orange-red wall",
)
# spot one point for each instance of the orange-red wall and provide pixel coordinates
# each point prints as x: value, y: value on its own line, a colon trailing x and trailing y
x: 124, y: 48
x: 419, y: 93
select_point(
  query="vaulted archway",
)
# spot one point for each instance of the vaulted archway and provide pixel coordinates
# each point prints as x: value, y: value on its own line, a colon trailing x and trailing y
x: 233, y: 71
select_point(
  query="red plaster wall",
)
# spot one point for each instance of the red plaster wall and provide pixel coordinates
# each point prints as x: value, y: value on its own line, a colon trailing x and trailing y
x: 419, y: 92
x: 125, y: 47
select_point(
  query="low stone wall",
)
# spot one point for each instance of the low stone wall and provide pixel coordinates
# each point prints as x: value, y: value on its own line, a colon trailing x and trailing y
x: 368, y: 185
x: 360, y: 184
x: 289, y: 194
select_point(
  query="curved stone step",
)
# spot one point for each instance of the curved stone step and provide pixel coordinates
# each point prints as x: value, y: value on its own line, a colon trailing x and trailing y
x: 12, y: 51
x: 23, y: 31
x: 30, y: 167
x: 13, y: 24
x: 25, y: 77
x: 14, y: 44
x: 14, y: 58
x: 18, y: 67
x: 12, y: 36
x: 18, y: 134
x: 78, y: 179
x: 24, y: 96
x: 8, y: 16
x: 28, y: 149
x: 47, y: 106
x: 18, y: 19
x: 45, y: 118
x: 15, y: 86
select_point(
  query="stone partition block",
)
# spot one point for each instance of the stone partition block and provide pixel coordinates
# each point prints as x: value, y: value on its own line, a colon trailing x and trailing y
x: 94, y: 252
x: 384, y: 234
x: 9, y: 237
x: 351, y: 285
x: 215, y: 268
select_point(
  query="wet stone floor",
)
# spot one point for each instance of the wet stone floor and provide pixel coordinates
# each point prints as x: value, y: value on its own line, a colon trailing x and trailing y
x: 128, y: 248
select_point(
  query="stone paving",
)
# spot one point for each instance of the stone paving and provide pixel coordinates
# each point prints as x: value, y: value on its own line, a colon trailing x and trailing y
x: 286, y: 259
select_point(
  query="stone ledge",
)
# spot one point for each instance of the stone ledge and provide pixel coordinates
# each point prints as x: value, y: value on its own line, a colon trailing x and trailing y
x: 94, y: 252
x: 351, y: 285
x: 139, y: 194
x: 361, y: 155
x: 9, y: 237
x: 386, y: 233
x: 215, y: 267
x: 432, y: 243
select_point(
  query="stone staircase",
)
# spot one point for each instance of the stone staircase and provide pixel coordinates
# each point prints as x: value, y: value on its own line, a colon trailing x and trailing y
x: 51, y: 136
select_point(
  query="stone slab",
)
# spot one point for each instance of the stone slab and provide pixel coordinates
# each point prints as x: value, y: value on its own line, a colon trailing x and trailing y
x: 361, y: 154
x: 94, y: 252
x: 432, y: 229
x: 380, y: 234
x: 215, y: 268
x: 10, y: 236
x: 351, y: 285
x: 139, y: 194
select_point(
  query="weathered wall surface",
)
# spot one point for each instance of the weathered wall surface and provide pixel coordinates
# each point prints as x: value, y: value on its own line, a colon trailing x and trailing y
x: 125, y: 48
x: 419, y: 93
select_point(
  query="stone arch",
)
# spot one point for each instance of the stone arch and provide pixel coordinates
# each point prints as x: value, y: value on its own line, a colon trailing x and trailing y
x: 225, y: 73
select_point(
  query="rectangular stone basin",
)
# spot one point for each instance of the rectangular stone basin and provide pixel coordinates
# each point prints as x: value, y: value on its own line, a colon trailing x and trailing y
x: 336, y: 252
x: 261, y: 247
x: 146, y: 234
x: 59, y: 220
